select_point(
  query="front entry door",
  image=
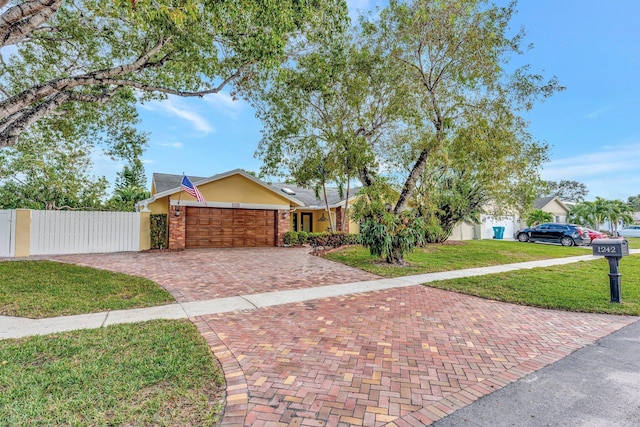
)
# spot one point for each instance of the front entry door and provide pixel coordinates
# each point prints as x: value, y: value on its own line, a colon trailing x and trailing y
x: 305, y: 220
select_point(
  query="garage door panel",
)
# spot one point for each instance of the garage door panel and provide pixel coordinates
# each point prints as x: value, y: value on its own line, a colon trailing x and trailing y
x: 226, y: 228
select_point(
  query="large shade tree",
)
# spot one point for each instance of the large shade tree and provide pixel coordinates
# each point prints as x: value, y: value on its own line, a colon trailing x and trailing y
x: 566, y: 190
x: 323, y: 113
x: 446, y: 60
x: 76, y: 59
x: 454, y: 58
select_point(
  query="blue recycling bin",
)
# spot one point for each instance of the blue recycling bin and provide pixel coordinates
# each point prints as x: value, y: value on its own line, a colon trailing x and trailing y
x: 498, y: 232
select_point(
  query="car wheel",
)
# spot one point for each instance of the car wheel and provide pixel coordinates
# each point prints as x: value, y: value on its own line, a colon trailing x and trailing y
x: 567, y: 241
x: 523, y: 237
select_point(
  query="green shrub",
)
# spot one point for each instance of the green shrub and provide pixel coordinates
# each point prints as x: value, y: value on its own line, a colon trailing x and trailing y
x: 291, y: 238
x: 159, y: 231
x: 303, y: 237
x: 392, y: 235
x: 332, y: 239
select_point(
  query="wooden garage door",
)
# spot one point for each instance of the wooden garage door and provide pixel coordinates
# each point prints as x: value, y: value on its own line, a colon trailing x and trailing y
x: 229, y: 228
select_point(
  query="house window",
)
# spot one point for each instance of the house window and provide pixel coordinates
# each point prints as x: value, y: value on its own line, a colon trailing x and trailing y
x: 295, y: 221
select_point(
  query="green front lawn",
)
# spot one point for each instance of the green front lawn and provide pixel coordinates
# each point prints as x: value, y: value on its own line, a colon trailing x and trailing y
x: 454, y: 256
x: 39, y: 289
x: 634, y: 242
x: 153, y: 373
x: 583, y: 286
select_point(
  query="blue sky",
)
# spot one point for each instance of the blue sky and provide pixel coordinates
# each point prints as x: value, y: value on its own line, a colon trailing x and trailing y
x: 593, y: 127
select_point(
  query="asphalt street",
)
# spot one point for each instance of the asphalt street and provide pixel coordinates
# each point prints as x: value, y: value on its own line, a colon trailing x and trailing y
x: 598, y: 385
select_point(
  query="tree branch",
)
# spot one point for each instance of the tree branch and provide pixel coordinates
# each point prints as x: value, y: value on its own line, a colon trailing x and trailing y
x: 17, y: 22
x: 40, y: 92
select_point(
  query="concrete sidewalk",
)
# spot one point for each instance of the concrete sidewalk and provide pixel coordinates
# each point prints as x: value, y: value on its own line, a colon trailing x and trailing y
x: 14, y: 327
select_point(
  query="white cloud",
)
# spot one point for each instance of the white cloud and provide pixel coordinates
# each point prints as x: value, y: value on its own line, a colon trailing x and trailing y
x: 596, y: 113
x: 171, y: 144
x: 225, y: 104
x: 611, y: 159
x: 612, y: 173
x: 175, y: 107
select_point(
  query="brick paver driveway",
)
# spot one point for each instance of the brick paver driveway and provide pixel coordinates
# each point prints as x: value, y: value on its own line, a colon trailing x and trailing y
x: 196, y: 275
x: 399, y: 357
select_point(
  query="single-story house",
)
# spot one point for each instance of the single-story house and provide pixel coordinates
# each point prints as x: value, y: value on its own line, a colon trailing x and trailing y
x: 510, y: 221
x: 554, y: 206
x: 240, y: 210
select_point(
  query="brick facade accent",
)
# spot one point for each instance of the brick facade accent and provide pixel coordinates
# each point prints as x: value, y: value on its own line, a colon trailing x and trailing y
x: 339, y: 213
x: 283, y: 225
x: 177, y: 228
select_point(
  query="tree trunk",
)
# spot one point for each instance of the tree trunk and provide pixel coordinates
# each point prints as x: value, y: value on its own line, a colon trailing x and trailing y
x: 410, y: 183
x: 395, y: 257
x: 346, y: 207
x: 326, y: 204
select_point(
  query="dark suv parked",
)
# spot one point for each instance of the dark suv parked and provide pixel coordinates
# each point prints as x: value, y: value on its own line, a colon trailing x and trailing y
x: 565, y: 234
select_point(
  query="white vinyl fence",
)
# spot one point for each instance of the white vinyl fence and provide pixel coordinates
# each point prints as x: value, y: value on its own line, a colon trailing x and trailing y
x: 69, y: 232
x: 7, y: 232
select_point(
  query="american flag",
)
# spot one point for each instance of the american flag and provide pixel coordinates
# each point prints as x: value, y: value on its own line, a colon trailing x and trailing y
x: 188, y: 186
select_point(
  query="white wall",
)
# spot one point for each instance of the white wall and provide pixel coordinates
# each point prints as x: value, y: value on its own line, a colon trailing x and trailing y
x: 70, y: 232
x: 7, y: 232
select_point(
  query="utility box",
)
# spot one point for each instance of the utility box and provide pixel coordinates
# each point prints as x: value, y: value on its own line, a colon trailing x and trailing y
x: 614, y: 248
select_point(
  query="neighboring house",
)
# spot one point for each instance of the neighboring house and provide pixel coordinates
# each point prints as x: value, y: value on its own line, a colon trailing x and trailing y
x: 484, y: 230
x: 240, y: 211
x: 511, y: 222
x: 554, y: 206
x: 636, y: 217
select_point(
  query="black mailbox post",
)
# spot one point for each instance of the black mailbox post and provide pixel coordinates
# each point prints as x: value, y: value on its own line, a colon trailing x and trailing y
x: 613, y: 250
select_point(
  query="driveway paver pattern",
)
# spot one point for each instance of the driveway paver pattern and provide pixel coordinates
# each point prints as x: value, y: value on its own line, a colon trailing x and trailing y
x: 399, y: 357
x: 203, y: 274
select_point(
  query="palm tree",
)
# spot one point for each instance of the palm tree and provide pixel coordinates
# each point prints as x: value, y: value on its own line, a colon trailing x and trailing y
x: 125, y: 198
x: 584, y: 214
x: 593, y: 214
x: 538, y: 216
x: 618, y: 211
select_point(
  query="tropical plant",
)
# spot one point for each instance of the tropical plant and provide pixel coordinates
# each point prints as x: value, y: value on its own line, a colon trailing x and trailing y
x: 618, y: 212
x: 538, y: 216
x: 595, y: 213
x: 454, y: 197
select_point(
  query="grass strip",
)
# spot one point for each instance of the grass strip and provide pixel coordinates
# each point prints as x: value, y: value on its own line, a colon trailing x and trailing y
x: 583, y: 286
x: 39, y: 289
x: 454, y: 256
x: 152, y: 373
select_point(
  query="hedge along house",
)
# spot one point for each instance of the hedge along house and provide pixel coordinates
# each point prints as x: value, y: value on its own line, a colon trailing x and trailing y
x: 240, y: 211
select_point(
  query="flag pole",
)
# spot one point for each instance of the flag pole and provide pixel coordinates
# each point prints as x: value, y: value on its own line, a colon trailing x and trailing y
x: 179, y: 194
